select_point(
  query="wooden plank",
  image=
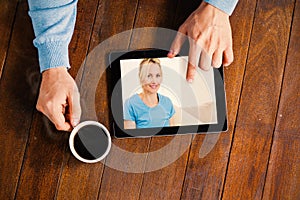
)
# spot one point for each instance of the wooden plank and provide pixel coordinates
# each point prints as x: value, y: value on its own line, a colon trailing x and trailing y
x: 183, y: 11
x: 7, y: 14
x: 259, y: 100
x: 164, y: 176
x: 18, y: 87
x: 162, y: 15
x: 46, y: 147
x: 206, y: 170
x: 118, y: 184
x: 79, y: 180
x: 283, y: 175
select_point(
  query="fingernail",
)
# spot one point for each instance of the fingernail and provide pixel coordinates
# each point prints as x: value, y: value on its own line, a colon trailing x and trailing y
x: 190, y: 80
x: 170, y: 54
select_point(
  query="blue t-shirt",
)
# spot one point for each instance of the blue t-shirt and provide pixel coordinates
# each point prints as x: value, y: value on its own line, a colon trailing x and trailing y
x: 144, y: 116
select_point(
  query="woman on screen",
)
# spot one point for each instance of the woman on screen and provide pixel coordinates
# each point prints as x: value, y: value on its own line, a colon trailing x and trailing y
x: 149, y: 108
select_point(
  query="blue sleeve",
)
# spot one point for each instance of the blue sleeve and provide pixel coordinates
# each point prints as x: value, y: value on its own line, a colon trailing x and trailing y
x: 53, y: 23
x: 226, y: 6
x: 128, y: 111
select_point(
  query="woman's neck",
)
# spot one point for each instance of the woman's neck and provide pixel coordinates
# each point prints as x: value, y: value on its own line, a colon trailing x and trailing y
x: 150, y: 99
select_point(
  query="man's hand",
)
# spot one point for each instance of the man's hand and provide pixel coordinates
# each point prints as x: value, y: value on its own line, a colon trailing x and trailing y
x: 59, y: 98
x: 210, y: 38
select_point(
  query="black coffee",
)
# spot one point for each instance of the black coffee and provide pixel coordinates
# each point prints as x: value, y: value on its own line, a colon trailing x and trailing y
x: 90, y: 142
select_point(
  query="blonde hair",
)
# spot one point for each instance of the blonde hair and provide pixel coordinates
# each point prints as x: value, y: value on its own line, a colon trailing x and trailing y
x: 143, y: 71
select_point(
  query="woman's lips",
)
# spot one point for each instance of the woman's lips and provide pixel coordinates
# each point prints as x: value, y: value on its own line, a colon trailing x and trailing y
x: 153, y: 86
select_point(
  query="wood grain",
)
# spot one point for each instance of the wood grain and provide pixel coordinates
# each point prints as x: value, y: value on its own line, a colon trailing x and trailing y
x: 259, y: 100
x: 7, y: 14
x: 157, y: 13
x: 46, y: 148
x: 163, y: 177
x: 257, y: 158
x: 205, y: 175
x: 183, y: 11
x: 18, y: 88
x: 79, y: 180
x: 283, y: 175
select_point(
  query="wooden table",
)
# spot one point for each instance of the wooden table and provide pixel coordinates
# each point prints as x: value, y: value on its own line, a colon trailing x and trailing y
x: 258, y: 158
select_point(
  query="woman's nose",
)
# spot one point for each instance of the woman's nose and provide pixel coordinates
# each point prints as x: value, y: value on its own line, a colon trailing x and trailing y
x: 154, y: 80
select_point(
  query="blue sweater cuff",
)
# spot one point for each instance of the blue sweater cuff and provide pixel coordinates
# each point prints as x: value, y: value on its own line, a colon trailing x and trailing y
x: 53, y: 54
x: 226, y: 6
x: 53, y: 23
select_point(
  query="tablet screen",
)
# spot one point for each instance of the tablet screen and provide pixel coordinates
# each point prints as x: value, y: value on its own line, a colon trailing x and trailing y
x: 153, y: 96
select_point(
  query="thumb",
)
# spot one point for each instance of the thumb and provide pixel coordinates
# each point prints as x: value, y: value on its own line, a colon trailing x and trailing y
x: 61, y: 123
x: 59, y: 120
x: 176, y: 44
x: 74, y: 107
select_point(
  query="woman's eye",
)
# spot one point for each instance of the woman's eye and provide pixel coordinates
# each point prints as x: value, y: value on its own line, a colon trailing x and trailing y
x: 158, y: 75
x: 149, y: 76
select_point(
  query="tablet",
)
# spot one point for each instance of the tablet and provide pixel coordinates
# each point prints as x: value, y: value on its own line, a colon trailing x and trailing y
x: 150, y: 96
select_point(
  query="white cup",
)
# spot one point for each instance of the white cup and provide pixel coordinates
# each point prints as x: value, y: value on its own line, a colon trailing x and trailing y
x: 90, y: 142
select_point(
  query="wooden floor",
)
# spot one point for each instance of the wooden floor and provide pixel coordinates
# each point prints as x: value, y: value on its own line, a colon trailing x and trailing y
x: 258, y: 158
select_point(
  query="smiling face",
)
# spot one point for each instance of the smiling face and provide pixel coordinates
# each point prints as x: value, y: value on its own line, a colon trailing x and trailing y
x: 150, y: 77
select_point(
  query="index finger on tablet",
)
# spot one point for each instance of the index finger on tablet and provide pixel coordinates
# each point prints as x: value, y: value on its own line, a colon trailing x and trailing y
x: 194, y: 54
x: 176, y: 44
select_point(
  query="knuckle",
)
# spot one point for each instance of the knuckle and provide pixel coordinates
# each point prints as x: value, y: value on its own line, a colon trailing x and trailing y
x: 181, y: 28
x: 38, y: 107
x: 49, y: 105
x: 59, y: 127
x: 74, y: 91
x: 194, y: 34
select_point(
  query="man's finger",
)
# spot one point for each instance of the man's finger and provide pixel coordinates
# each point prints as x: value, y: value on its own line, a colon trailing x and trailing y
x: 176, y: 44
x: 205, y: 61
x: 59, y: 121
x: 194, y: 54
x: 74, y: 107
x: 228, y: 56
x: 217, y: 59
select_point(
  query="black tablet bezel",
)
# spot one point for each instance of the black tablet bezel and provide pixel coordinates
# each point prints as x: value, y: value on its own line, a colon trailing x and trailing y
x: 117, y: 101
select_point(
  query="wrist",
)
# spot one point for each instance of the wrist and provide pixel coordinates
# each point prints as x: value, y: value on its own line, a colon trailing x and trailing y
x: 214, y: 10
x: 53, y: 54
x: 54, y: 72
x: 226, y: 6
